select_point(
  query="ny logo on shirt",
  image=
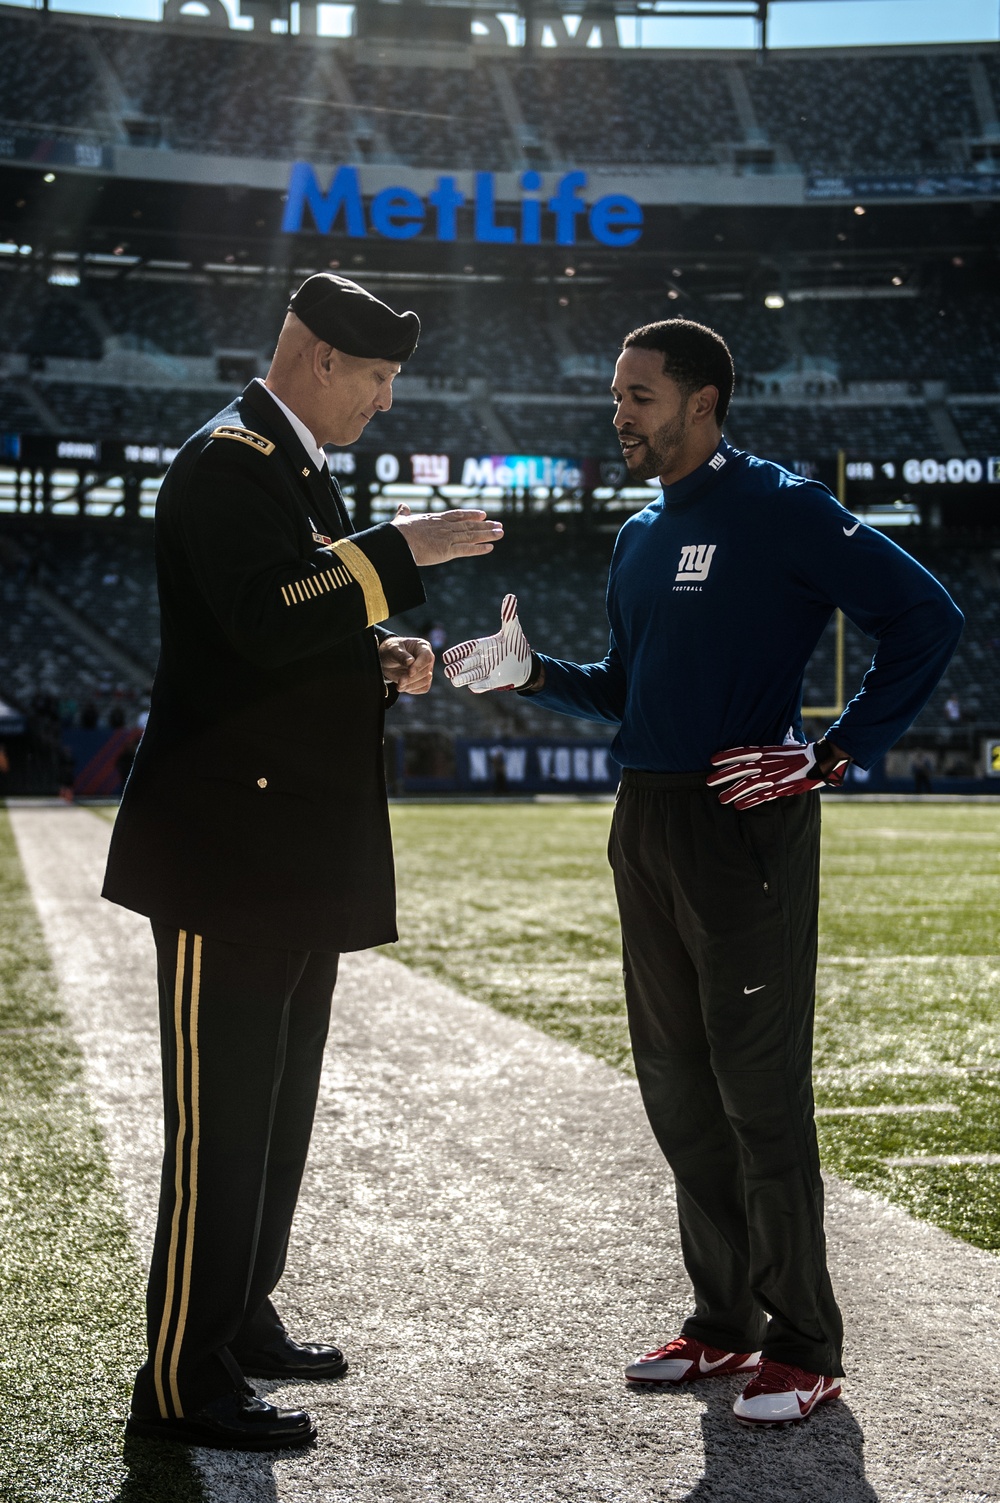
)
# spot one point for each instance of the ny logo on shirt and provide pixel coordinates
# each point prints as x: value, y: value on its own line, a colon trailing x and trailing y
x: 695, y: 562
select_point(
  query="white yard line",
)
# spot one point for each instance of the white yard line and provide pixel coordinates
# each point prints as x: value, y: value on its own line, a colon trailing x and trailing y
x: 488, y: 1227
x: 941, y: 1160
x: 886, y: 1110
x: 859, y: 1075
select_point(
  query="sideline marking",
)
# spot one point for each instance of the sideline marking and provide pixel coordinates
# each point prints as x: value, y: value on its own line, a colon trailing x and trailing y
x: 941, y: 1160
x: 859, y: 1074
x: 885, y: 1110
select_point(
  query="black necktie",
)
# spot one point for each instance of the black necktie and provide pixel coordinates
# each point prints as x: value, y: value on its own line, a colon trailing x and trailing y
x: 338, y: 502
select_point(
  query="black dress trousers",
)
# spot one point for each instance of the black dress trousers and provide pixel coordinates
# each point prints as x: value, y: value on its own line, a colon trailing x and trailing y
x: 719, y: 917
x: 242, y: 1031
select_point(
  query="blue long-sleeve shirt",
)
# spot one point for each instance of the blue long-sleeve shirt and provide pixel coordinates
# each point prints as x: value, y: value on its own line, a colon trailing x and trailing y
x: 717, y: 596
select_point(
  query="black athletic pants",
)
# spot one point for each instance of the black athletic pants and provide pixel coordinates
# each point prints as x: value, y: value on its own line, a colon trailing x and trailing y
x: 719, y: 920
x: 242, y: 1031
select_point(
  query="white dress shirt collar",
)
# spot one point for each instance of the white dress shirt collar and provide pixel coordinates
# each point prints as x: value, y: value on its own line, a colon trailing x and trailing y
x: 302, y: 433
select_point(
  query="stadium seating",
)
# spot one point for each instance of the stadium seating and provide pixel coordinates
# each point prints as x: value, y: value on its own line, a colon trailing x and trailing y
x: 929, y: 337
x: 567, y: 431
x: 175, y: 317
x: 788, y: 433
x: 19, y: 416
x: 223, y: 95
x: 434, y: 117
x: 109, y: 579
x: 907, y: 111
x: 46, y: 77
x: 438, y: 427
x: 474, y: 345
x: 40, y: 655
x: 848, y: 114
x: 105, y: 572
x: 979, y: 427
x: 519, y: 365
x: 608, y: 110
x: 40, y: 320
x: 161, y: 415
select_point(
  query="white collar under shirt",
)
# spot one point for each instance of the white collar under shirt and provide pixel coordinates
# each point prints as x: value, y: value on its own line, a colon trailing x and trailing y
x: 302, y: 433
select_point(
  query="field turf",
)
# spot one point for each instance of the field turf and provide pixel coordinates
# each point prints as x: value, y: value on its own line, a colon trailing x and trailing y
x: 71, y: 1288
x: 514, y: 905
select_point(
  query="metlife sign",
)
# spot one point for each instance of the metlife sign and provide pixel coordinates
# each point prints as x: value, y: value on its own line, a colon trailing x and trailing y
x: 398, y: 212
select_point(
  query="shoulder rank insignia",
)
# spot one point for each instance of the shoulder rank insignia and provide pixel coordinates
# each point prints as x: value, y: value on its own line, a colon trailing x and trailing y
x: 245, y: 436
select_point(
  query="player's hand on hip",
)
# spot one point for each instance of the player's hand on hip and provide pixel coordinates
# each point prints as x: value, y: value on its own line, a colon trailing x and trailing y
x: 750, y: 775
x: 499, y: 662
x: 434, y: 537
x: 407, y: 662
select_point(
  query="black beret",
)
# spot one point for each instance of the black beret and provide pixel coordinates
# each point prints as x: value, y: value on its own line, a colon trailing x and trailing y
x: 343, y: 314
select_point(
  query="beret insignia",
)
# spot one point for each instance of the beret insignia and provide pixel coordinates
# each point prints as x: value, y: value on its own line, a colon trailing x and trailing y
x: 245, y: 436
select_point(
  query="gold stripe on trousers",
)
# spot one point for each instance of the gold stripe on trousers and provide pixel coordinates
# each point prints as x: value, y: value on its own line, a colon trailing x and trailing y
x: 182, y: 1222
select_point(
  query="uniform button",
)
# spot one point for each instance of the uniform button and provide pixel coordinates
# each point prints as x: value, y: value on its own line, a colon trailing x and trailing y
x: 262, y: 782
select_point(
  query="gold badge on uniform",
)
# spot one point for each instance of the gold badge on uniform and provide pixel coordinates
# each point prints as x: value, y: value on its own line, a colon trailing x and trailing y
x: 244, y: 436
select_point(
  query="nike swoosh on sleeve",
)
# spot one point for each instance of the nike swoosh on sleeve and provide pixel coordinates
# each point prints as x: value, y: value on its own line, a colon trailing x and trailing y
x: 850, y: 531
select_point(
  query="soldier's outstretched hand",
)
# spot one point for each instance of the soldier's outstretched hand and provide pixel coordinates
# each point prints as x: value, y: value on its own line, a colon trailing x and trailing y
x: 435, y: 537
x: 499, y: 662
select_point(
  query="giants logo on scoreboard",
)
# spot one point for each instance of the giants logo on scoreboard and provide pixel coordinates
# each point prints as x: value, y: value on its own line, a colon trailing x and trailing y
x: 430, y: 469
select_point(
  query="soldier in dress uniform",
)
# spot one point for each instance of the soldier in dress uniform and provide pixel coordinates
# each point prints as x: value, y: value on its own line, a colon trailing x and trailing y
x: 254, y: 833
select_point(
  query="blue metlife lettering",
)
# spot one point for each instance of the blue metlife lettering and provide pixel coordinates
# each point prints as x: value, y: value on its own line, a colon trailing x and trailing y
x: 398, y: 213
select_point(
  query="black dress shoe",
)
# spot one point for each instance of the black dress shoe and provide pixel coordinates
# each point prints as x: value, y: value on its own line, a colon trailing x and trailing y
x: 281, y: 1357
x: 238, y: 1421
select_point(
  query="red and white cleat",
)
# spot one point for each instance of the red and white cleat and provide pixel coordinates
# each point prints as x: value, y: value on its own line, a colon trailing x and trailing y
x: 684, y: 1360
x: 778, y: 1394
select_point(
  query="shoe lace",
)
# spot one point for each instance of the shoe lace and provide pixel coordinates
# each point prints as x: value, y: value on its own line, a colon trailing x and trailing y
x: 679, y: 1344
x: 779, y: 1377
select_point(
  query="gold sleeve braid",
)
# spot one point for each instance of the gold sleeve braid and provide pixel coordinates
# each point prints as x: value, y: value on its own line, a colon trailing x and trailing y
x: 311, y: 586
x: 361, y: 568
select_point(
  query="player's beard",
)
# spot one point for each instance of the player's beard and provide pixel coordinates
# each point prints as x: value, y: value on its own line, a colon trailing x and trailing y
x: 658, y: 454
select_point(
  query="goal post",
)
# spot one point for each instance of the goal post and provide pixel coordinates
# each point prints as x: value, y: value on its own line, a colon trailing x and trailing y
x: 821, y: 712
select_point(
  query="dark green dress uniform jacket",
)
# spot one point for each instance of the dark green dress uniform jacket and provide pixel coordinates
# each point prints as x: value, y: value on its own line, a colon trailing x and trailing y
x: 256, y: 809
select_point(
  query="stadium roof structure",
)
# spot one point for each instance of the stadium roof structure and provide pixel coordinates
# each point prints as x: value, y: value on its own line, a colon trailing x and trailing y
x: 446, y: 24
x: 392, y: 18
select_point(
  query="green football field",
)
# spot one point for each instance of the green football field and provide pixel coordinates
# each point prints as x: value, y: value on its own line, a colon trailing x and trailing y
x: 514, y: 905
x: 71, y: 1284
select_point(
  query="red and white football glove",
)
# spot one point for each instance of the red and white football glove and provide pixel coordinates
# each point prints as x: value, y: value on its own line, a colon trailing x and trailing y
x: 485, y: 663
x: 749, y: 775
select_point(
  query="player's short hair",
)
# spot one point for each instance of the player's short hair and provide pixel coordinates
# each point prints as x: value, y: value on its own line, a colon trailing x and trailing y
x: 693, y: 355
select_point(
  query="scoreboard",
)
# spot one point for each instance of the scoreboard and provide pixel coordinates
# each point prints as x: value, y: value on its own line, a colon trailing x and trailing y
x: 922, y: 473
x: 961, y: 488
x: 504, y: 473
